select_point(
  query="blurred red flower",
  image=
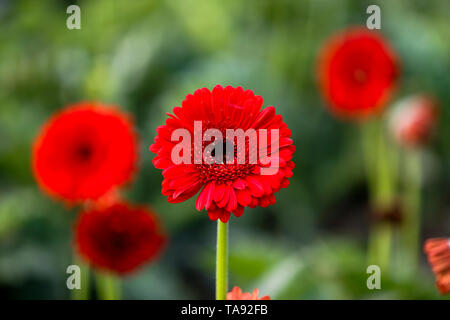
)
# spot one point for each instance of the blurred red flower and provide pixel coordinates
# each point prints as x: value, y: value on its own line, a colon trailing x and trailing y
x: 226, y: 187
x: 357, y: 71
x: 118, y: 238
x: 237, y: 294
x: 413, y: 120
x: 84, y: 151
x: 438, y: 252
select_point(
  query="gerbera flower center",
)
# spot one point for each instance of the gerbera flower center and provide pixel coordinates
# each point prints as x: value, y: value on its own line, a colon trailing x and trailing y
x: 221, y: 170
x: 225, y: 148
x: 84, y: 152
x: 360, y: 75
x: 119, y: 242
x: 222, y: 173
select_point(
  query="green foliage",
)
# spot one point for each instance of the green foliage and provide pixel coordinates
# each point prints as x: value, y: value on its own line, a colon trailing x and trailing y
x: 146, y: 56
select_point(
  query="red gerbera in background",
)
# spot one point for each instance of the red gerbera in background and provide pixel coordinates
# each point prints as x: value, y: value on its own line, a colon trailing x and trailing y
x: 438, y: 252
x: 225, y: 187
x: 84, y: 151
x: 118, y: 238
x: 237, y: 294
x: 413, y: 120
x: 357, y: 71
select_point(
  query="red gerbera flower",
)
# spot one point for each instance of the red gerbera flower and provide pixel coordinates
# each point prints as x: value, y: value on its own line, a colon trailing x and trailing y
x: 84, y: 151
x: 357, y: 71
x: 413, y: 120
x: 237, y: 294
x: 438, y: 252
x: 118, y: 238
x: 225, y: 187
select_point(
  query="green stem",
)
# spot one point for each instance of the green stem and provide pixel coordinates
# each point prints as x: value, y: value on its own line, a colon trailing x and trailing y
x: 412, y: 201
x: 380, y: 245
x: 380, y: 160
x: 83, y: 292
x: 108, y: 286
x: 384, y: 196
x: 222, y: 261
x: 368, y: 134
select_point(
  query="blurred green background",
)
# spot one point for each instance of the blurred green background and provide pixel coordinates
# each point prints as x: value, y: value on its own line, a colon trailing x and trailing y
x: 146, y: 56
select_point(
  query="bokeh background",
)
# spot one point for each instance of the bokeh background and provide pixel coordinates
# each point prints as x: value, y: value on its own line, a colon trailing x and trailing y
x: 146, y: 56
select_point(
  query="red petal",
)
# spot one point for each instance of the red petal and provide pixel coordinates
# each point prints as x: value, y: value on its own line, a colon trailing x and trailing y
x: 225, y: 217
x: 240, y: 184
x: 232, y: 202
x: 243, y: 197
x: 239, y: 211
x: 205, y: 197
x: 219, y: 192
x: 226, y: 196
x: 255, y: 186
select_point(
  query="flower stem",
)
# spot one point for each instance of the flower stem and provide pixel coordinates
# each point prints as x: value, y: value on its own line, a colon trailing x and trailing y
x: 222, y: 261
x: 108, y: 286
x: 380, y: 160
x: 380, y: 244
x: 83, y: 292
x: 412, y: 201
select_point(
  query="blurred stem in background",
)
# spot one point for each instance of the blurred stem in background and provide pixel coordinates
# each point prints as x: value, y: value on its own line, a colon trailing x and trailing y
x: 222, y: 261
x: 380, y: 161
x: 108, y: 286
x: 410, y: 236
x: 83, y: 292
